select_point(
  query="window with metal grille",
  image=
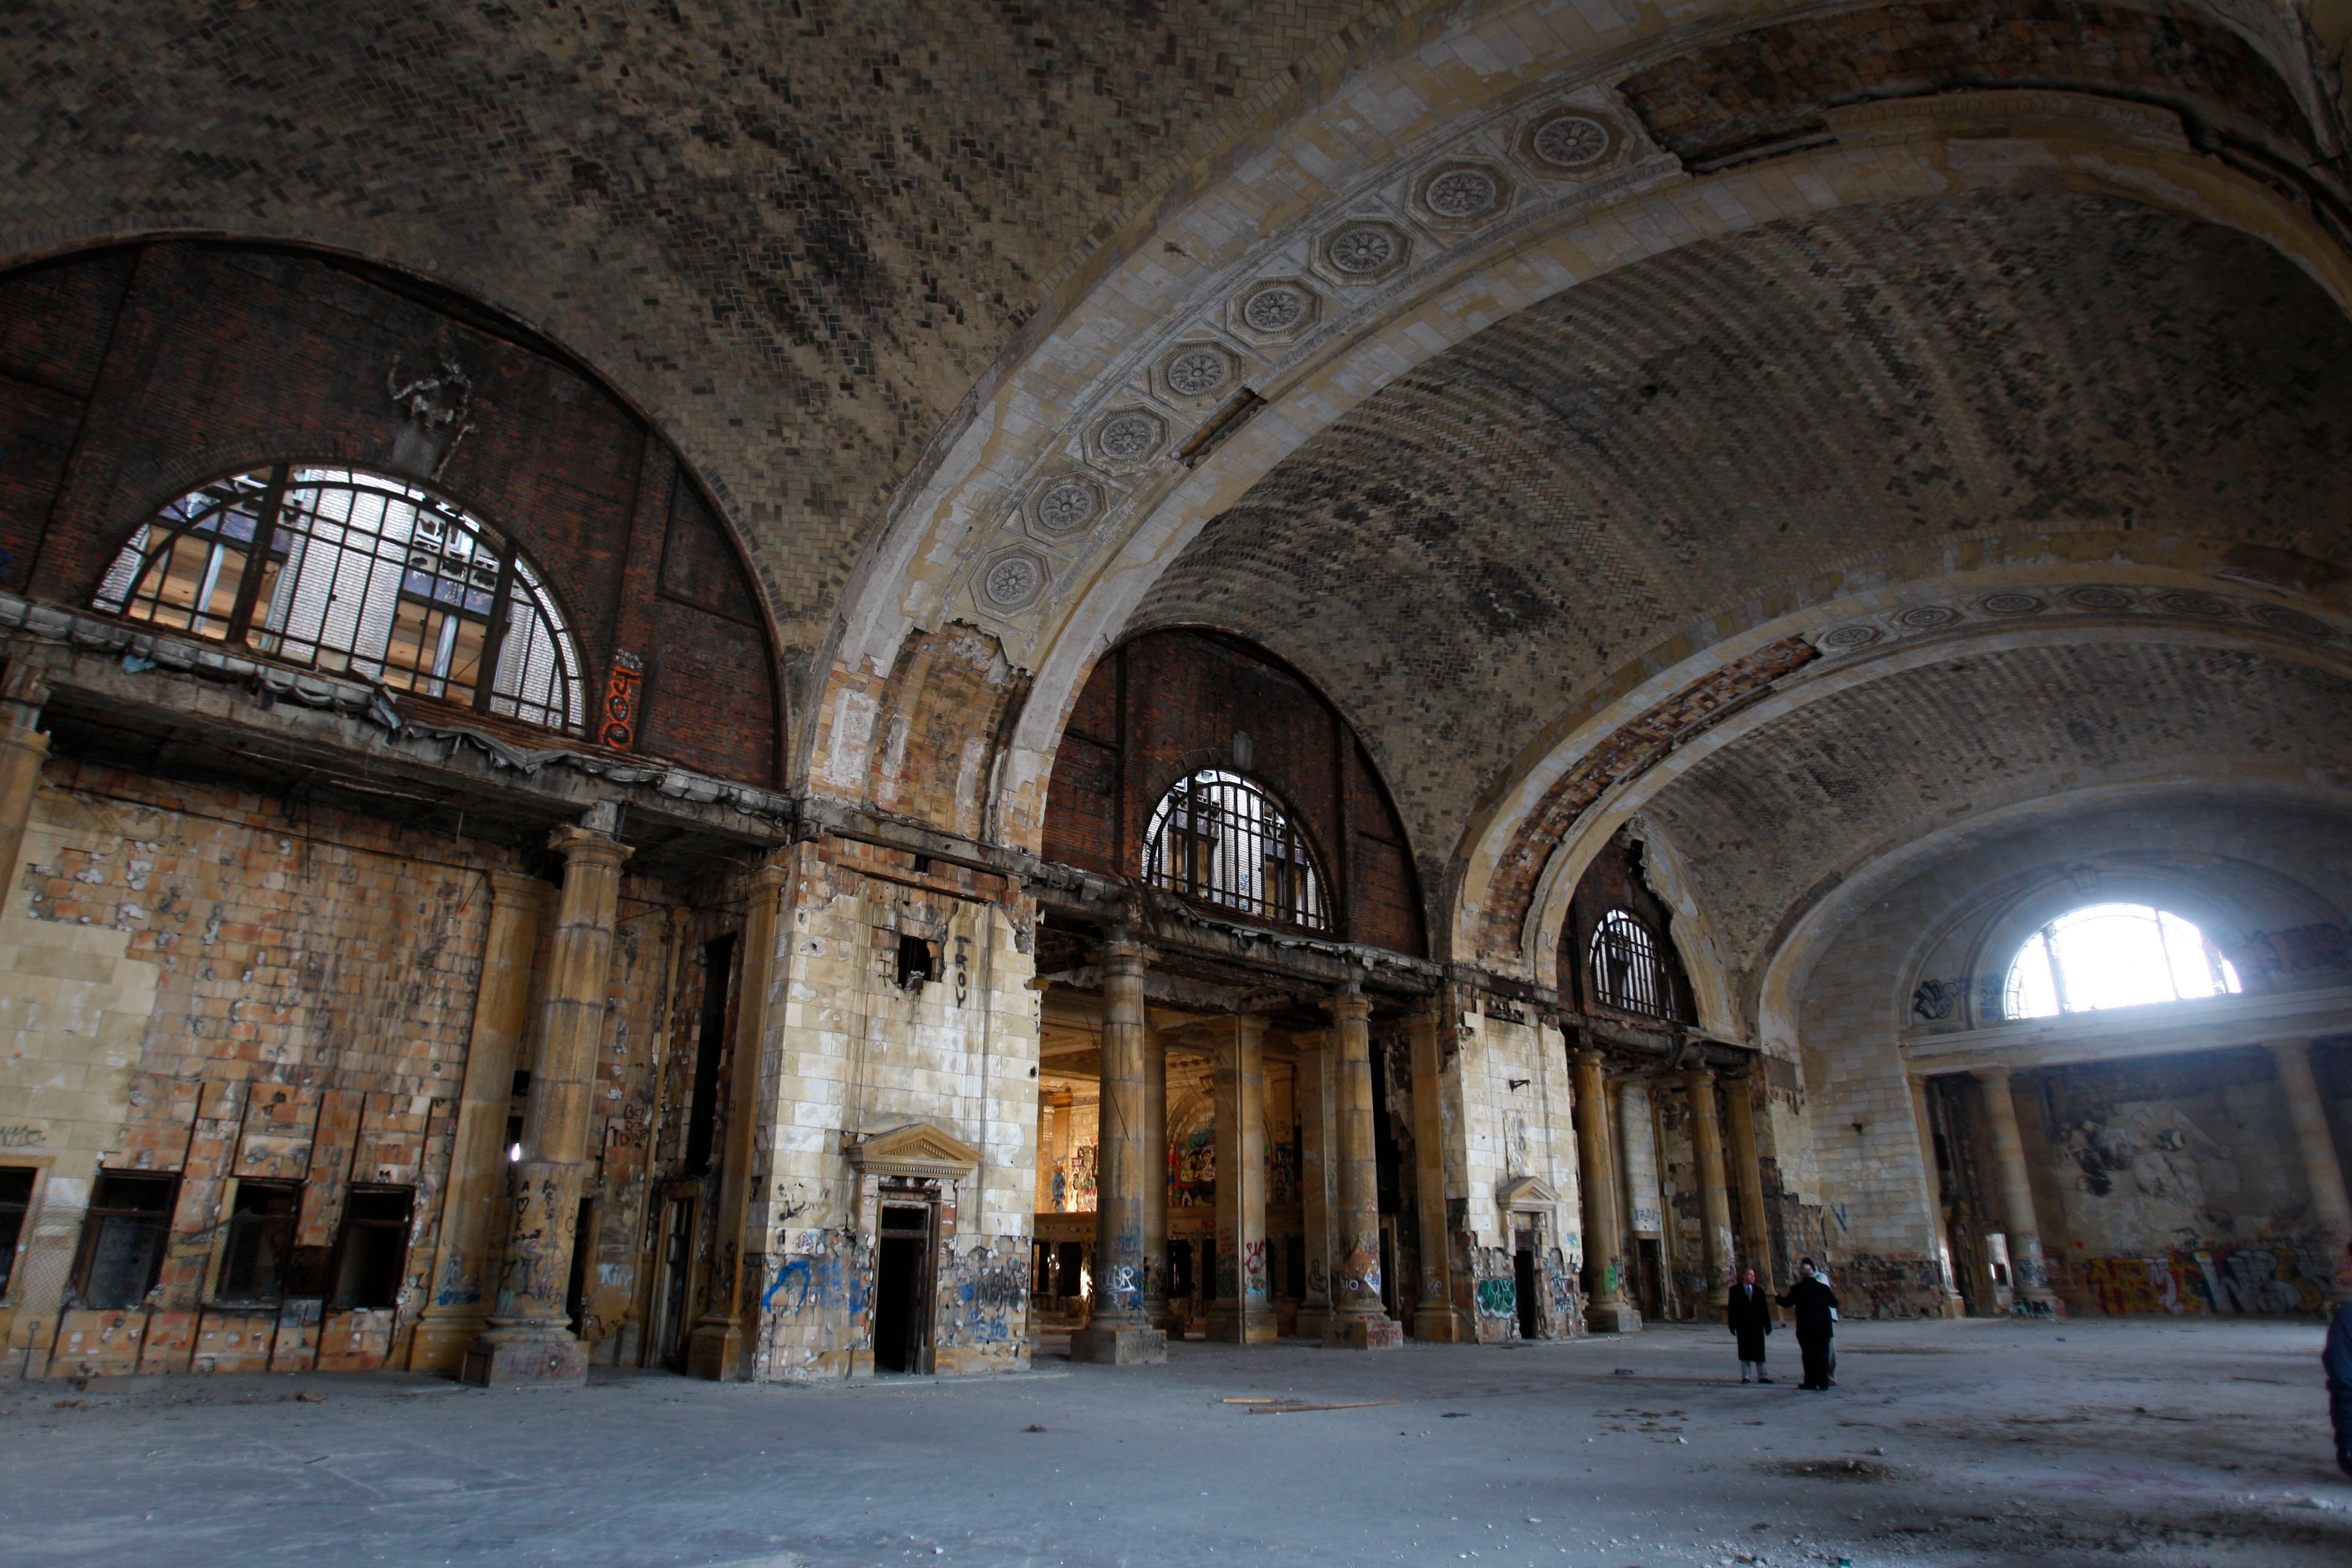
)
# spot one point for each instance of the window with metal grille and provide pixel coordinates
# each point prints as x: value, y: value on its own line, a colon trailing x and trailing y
x: 1220, y: 838
x: 1628, y: 972
x: 123, y: 1232
x: 358, y: 575
x: 260, y: 1241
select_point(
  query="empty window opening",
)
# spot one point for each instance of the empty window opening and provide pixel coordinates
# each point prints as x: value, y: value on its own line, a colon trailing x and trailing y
x: 917, y: 961
x: 356, y: 574
x: 1628, y: 972
x: 372, y: 1254
x: 260, y: 1241
x: 710, y: 1041
x: 123, y: 1236
x: 902, y: 1289
x: 15, y: 1198
x: 2114, y: 955
x: 1220, y: 838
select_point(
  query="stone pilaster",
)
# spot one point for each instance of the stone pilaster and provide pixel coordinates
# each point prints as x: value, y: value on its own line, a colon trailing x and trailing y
x: 1435, y: 1315
x: 1360, y: 1320
x: 22, y: 750
x: 464, y: 1268
x: 529, y: 1338
x: 1120, y: 1333
x: 715, y: 1349
x: 1606, y: 1309
x: 1315, y: 1150
x: 2028, y: 1276
x: 1243, y: 1309
x: 2323, y: 1171
x: 1714, y: 1197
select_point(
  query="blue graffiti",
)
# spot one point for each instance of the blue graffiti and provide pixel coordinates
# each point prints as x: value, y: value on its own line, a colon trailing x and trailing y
x: 794, y: 1266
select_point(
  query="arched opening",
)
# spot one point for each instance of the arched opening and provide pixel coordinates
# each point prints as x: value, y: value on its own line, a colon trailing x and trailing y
x: 1627, y: 971
x: 2114, y: 955
x: 1219, y: 838
x: 355, y: 573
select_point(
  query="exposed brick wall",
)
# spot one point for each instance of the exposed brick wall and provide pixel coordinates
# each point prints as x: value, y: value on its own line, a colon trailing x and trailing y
x: 1726, y: 424
x: 1165, y: 704
x: 1615, y: 881
x: 162, y: 367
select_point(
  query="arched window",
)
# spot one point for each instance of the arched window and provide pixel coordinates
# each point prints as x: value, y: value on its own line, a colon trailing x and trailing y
x: 2114, y: 955
x: 1218, y: 838
x: 361, y: 575
x: 1628, y: 972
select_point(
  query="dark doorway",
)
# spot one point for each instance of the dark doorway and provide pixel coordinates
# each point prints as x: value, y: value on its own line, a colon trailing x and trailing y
x: 1649, y: 1278
x: 1070, y: 1284
x: 1523, y: 1271
x: 710, y: 1039
x: 902, y: 1289
x: 583, y: 1245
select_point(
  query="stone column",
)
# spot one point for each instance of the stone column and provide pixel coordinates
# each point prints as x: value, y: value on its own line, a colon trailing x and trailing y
x: 1434, y: 1316
x: 1931, y: 1193
x: 22, y: 750
x: 1315, y: 1149
x: 1747, y: 1180
x: 529, y: 1339
x: 1155, y: 1181
x: 1120, y: 1333
x: 1243, y: 1309
x: 2331, y: 1211
x: 457, y: 1311
x: 2028, y: 1276
x: 1359, y: 1319
x: 1714, y: 1197
x: 1606, y: 1310
x: 715, y: 1349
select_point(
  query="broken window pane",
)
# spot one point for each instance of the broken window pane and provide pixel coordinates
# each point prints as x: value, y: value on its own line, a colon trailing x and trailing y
x: 123, y: 1239
x: 373, y: 1252
x: 260, y: 1241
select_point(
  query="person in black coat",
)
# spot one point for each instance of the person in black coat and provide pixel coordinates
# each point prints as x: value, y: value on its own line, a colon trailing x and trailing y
x: 1815, y: 1305
x: 1748, y: 1312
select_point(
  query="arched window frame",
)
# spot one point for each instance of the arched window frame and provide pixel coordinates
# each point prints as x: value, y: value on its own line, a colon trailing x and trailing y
x: 2046, y: 938
x: 1220, y: 837
x: 1628, y: 965
x: 434, y: 609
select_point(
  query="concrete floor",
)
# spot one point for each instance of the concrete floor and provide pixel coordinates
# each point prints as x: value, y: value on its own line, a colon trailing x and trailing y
x: 1972, y: 1443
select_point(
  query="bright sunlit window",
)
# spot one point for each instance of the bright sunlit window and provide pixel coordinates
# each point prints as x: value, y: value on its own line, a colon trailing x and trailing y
x: 2114, y: 955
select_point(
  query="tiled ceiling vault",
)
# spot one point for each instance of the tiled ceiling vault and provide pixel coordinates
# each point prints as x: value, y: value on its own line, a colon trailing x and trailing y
x: 1772, y: 819
x: 1503, y: 526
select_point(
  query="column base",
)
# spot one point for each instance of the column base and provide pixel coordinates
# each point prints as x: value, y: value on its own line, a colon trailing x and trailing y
x: 1314, y: 1318
x: 1237, y: 1325
x: 440, y: 1343
x: 714, y: 1351
x: 1124, y: 1345
x: 1439, y: 1325
x: 1159, y: 1313
x: 1351, y: 1333
x: 1612, y: 1318
x: 544, y: 1356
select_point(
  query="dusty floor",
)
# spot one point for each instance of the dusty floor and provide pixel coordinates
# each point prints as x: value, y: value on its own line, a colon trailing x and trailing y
x: 1974, y: 1443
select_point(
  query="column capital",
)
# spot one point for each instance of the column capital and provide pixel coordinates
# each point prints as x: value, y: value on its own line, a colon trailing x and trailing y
x: 769, y: 876
x: 587, y: 847
x: 1992, y: 1075
x: 518, y: 889
x: 1123, y: 953
x: 1249, y: 1025
x: 24, y: 685
x: 1348, y: 1005
x: 1699, y: 1075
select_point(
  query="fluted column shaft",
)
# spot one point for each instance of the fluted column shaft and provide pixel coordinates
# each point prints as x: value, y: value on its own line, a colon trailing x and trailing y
x: 1606, y: 1308
x: 465, y: 1264
x: 1359, y: 1319
x: 530, y: 1338
x: 2331, y: 1212
x: 1747, y: 1180
x: 1243, y: 1309
x: 1315, y: 1150
x: 1119, y: 1331
x: 1155, y: 1181
x: 2029, y: 1275
x: 1434, y: 1316
x: 1714, y: 1197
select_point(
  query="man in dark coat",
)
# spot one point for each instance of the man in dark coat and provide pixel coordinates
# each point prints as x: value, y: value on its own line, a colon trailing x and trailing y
x: 1749, y: 1314
x: 1815, y: 1305
x: 2336, y: 1358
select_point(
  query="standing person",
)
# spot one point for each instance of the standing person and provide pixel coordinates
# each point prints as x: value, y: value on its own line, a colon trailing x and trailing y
x: 1815, y: 1305
x: 1748, y: 1315
x: 2336, y: 1358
